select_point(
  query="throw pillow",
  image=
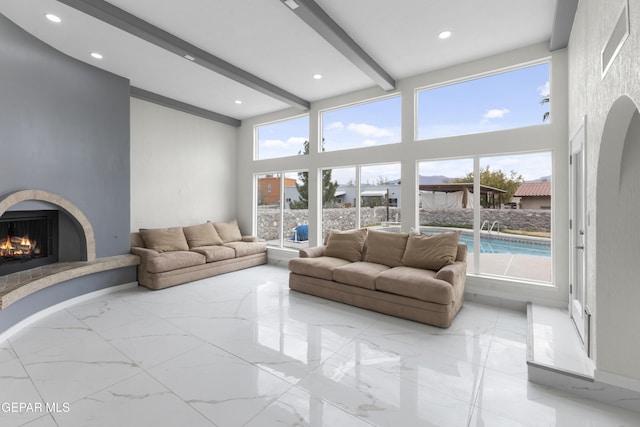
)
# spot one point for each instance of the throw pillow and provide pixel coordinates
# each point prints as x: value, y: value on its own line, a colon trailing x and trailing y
x: 385, y: 248
x: 431, y: 252
x: 164, y: 239
x: 346, y: 245
x: 202, y: 235
x: 228, y: 231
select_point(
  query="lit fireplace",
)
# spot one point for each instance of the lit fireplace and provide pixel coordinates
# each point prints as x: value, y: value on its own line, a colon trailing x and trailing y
x: 27, y: 239
x: 18, y: 247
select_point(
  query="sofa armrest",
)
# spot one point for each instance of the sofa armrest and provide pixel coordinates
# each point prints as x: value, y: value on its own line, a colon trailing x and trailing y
x: 455, y: 273
x: 250, y: 239
x: 316, y: 252
x: 144, y: 254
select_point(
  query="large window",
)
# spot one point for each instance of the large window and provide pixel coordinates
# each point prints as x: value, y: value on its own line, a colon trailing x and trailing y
x: 514, y: 231
x: 362, y: 125
x: 495, y: 188
x: 507, y: 100
x: 515, y: 241
x: 446, y: 202
x: 379, y: 196
x: 281, y: 139
x: 374, y: 203
x: 339, y: 210
x: 282, y: 215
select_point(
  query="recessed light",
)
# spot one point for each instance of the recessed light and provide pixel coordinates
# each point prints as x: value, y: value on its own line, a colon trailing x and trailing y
x: 237, y: 101
x: 96, y: 55
x: 444, y: 35
x: 291, y: 4
x: 53, y: 18
x: 317, y: 76
x: 189, y: 57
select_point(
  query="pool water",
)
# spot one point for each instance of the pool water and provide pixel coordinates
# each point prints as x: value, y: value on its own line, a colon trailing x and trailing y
x: 490, y: 245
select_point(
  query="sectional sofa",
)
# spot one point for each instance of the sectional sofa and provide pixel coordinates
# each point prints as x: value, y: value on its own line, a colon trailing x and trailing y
x: 417, y: 277
x: 176, y: 255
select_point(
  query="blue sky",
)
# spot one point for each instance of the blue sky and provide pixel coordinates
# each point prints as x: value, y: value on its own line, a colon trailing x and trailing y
x: 502, y: 101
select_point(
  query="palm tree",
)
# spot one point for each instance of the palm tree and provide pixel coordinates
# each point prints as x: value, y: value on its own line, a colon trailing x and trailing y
x: 545, y: 100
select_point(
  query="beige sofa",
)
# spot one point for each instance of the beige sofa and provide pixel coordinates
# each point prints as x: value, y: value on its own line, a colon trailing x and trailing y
x: 171, y: 256
x: 416, y: 277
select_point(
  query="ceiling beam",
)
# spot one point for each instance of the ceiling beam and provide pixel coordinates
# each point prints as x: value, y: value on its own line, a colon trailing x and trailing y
x: 125, y: 21
x: 562, y: 23
x: 315, y: 17
x: 145, y: 95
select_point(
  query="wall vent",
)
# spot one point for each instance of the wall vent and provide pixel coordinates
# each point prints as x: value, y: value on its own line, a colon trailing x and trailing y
x: 617, y: 38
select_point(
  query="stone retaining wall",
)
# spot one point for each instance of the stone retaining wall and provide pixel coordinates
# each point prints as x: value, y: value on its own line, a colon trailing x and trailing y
x: 344, y: 218
x: 514, y: 219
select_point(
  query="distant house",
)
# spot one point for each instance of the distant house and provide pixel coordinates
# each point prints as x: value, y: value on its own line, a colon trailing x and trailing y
x: 269, y: 189
x: 534, y: 195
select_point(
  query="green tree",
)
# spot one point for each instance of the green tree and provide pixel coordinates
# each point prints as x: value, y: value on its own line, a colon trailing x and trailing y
x: 496, y: 179
x: 328, y: 187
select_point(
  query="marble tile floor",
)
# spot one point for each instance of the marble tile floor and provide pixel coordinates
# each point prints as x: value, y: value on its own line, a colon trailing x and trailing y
x: 242, y: 350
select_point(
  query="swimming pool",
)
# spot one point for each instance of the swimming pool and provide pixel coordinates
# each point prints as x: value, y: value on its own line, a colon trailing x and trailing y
x: 491, y: 245
x: 500, y: 243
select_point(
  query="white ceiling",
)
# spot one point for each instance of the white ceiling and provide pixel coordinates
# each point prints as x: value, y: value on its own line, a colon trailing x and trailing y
x: 266, y: 39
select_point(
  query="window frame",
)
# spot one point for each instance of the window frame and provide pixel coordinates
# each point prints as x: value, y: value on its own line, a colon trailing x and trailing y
x: 469, y: 78
x: 370, y: 100
x: 256, y: 135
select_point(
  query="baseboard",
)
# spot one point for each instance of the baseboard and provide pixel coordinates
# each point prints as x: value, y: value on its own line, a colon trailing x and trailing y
x: 617, y: 380
x: 278, y: 254
x: 61, y: 306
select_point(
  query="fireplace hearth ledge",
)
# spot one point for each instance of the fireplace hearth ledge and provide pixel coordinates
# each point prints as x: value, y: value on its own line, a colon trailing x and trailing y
x: 16, y: 286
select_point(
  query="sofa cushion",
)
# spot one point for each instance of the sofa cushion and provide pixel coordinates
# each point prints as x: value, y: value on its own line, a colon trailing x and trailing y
x: 360, y: 274
x: 174, y: 260
x: 431, y: 252
x: 321, y: 267
x: 385, y: 248
x: 215, y: 253
x: 164, y: 239
x: 347, y: 245
x: 202, y: 235
x: 247, y: 248
x: 415, y: 283
x: 228, y: 231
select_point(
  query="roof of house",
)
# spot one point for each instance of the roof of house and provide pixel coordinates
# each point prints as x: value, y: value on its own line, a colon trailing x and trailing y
x: 532, y: 189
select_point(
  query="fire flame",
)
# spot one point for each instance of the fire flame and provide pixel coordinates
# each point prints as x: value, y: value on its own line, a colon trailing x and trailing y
x: 13, y: 246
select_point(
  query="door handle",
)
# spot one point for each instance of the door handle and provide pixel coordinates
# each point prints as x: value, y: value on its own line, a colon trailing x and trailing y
x: 580, y: 247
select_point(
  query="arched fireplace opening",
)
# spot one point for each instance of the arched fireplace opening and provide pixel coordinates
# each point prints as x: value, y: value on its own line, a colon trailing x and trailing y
x: 28, y: 239
x: 39, y: 228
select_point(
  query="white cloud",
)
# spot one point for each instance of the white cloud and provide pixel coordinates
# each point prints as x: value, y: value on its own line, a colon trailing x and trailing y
x: 335, y: 125
x: 295, y: 140
x: 545, y: 89
x: 369, y: 142
x: 274, y: 143
x: 495, y: 113
x: 369, y: 130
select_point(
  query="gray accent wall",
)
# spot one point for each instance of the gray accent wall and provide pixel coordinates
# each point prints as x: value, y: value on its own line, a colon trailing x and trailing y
x: 64, y: 128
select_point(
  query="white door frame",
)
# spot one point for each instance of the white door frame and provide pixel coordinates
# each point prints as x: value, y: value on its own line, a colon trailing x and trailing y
x: 577, y: 288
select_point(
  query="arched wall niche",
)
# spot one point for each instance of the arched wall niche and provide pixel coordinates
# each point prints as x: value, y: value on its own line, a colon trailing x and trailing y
x: 617, y: 244
x: 74, y: 213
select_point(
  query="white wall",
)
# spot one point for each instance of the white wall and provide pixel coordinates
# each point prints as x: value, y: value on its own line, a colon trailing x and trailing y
x: 408, y: 152
x: 613, y: 248
x: 182, y: 168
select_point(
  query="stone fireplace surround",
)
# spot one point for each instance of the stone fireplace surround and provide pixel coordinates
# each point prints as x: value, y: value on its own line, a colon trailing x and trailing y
x: 21, y: 284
